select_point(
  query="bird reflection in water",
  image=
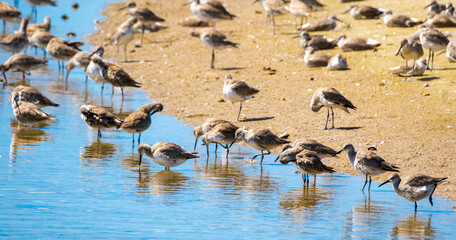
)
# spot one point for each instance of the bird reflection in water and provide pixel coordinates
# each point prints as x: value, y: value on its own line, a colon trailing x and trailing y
x: 167, y: 181
x: 305, y: 198
x: 413, y: 227
x: 25, y: 138
x: 97, y: 151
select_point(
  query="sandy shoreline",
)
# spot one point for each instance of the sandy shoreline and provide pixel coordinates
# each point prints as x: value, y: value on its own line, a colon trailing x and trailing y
x: 412, y: 125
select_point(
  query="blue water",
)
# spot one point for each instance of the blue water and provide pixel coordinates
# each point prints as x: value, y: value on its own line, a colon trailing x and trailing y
x: 58, y: 181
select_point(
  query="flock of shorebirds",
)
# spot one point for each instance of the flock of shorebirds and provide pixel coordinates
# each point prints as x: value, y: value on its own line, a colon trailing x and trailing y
x: 306, y: 155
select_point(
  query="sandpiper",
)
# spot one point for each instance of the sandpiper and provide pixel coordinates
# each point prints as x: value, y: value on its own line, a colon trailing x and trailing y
x: 307, y: 162
x: 32, y: 95
x: 98, y: 118
x: 451, y: 50
x: 273, y: 8
x: 321, y: 25
x: 139, y: 27
x: 440, y: 20
x: 391, y: 19
x: 94, y: 70
x: 23, y: 63
x: 28, y: 113
x: 433, y: 40
x: 330, y: 98
x: 140, y: 120
x: 356, y: 44
x: 435, y: 7
x: 410, y: 50
x: 16, y: 42
x: 337, y: 63
x: 210, y: 11
x: 8, y: 13
x: 415, y: 188
x: 312, y: 145
x: 123, y: 35
x: 40, y: 39
x: 165, y: 154
x: 315, y: 59
x: 367, y: 163
x: 213, y: 39
x: 45, y: 26
x: 261, y: 139
x: 62, y: 50
x: 364, y: 12
x: 237, y: 91
x: 316, y: 42
x: 143, y: 14
x: 222, y: 133
x: 418, y: 70
x: 205, y: 127
x: 299, y: 9
x: 80, y: 60
x: 35, y: 3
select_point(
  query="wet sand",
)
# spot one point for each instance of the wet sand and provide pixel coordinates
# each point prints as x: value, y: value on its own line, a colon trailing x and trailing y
x: 412, y: 124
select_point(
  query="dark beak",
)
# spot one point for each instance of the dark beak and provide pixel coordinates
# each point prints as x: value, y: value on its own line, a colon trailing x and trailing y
x: 196, y: 141
x: 296, y: 36
x: 385, y: 182
x: 400, y: 48
x: 276, y: 159
x: 123, y: 7
x: 340, y: 21
x: 232, y: 142
x: 187, y: 3
x: 255, y: 1
x: 335, y: 154
x: 428, y: 5
x: 346, y: 11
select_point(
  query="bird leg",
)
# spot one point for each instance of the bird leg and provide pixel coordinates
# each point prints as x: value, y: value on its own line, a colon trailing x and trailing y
x: 4, y: 25
x: 117, y: 52
x: 133, y: 140
x: 370, y: 181
x: 66, y: 77
x: 227, y: 151
x: 273, y: 25
x: 262, y: 156
x: 430, y: 196
x: 327, y: 118
x: 99, y: 134
x: 112, y: 94
x: 216, y: 146
x: 416, y: 206
x: 315, y: 180
x: 364, y: 184
x: 121, y: 89
x: 256, y: 155
x: 303, y: 176
x: 432, y: 65
x: 139, y: 139
x: 429, y: 59
x: 413, y: 68
x: 142, y: 33
x: 406, y: 70
x: 240, y: 108
x: 125, y: 52
x: 332, y: 114
x: 207, y: 150
x: 212, y: 59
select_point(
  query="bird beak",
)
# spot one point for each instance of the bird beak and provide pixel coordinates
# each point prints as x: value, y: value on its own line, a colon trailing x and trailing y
x: 187, y: 3
x: 276, y: 159
x: 123, y: 7
x: 196, y: 141
x: 399, y: 50
x: 428, y: 5
x: 255, y: 1
x: 232, y: 142
x: 346, y: 11
x: 385, y: 182
x: 340, y: 21
x: 335, y: 154
x: 296, y: 36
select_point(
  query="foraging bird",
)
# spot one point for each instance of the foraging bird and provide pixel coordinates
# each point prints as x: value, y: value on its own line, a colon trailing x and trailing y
x: 209, y: 11
x: 80, y: 60
x: 32, y: 95
x: 312, y: 145
x: 410, y: 50
x: 98, y: 118
x: 418, y: 70
x: 205, y: 127
x: 28, y: 113
x: 435, y: 7
x: 62, y: 50
x: 415, y: 188
x: 337, y: 63
x: 433, y: 40
x: 140, y: 120
x: 321, y: 24
x: 316, y: 42
x: 261, y: 139
x: 273, y: 8
x: 329, y: 98
x: 307, y: 162
x: 364, y: 12
x: 356, y: 44
x: 298, y: 8
x: 16, y: 42
x: 8, y: 13
x: 40, y: 39
x: 391, y: 19
x: 367, y: 163
x: 237, y: 91
x: 23, y: 63
x: 165, y: 154
x: 223, y: 133
x: 315, y: 59
x: 213, y: 39
x: 94, y: 70
x: 143, y: 14
x: 123, y: 35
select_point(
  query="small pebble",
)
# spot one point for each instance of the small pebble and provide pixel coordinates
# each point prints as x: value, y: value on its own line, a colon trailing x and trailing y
x: 75, y: 6
x: 426, y: 85
x: 65, y: 17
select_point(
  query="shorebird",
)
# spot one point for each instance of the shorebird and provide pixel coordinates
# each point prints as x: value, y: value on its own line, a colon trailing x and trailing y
x: 364, y: 12
x: 40, y: 39
x: 367, y: 163
x: 23, y: 63
x: 237, y: 91
x: 418, y: 70
x: 28, y: 113
x: 316, y: 42
x: 298, y: 8
x: 213, y: 39
x: 16, y: 42
x: 143, y: 14
x: 80, y: 60
x: 451, y: 50
x: 45, y: 26
x: 139, y: 27
x: 410, y: 50
x: 273, y: 8
x: 311, y: 145
x: 391, y: 19
x: 32, y: 95
x: 94, y: 70
x: 209, y: 11
x: 261, y: 139
x: 98, y: 118
x: 315, y: 59
x: 165, y: 154
x: 123, y: 35
x: 337, y: 63
x: 433, y: 40
x: 321, y: 24
x: 62, y: 50
x: 35, y: 3
x: 440, y: 20
x: 450, y: 11
x: 205, y: 127
x: 435, y: 7
x: 356, y: 44
x: 415, y: 188
x: 140, y: 120
x: 193, y: 22
x: 8, y: 13
x: 307, y: 162
x: 329, y: 98
x: 223, y: 133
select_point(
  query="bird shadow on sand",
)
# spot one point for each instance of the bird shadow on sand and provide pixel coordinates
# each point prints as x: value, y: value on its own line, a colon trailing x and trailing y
x: 426, y: 79
x: 137, y: 61
x: 232, y: 68
x: 347, y: 128
x: 256, y: 119
x: 443, y: 69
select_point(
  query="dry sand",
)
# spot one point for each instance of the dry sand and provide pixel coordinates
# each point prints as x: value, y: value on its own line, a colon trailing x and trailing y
x: 413, y: 125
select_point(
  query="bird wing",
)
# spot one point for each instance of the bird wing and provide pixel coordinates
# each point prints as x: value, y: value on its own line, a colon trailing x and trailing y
x: 335, y: 97
x: 243, y: 89
x: 221, y: 8
x: 422, y: 180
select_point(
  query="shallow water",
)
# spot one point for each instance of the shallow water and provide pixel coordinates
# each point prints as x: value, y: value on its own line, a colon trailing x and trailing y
x: 57, y: 180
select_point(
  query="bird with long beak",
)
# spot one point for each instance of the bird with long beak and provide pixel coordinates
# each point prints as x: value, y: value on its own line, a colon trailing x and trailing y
x: 27, y: 112
x: 23, y: 63
x: 205, y: 127
x: 261, y: 139
x: 273, y: 8
x: 123, y: 35
x: 410, y: 50
x: 165, y: 154
x: 94, y: 71
x: 415, y: 188
x: 223, y: 133
x: 209, y: 11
